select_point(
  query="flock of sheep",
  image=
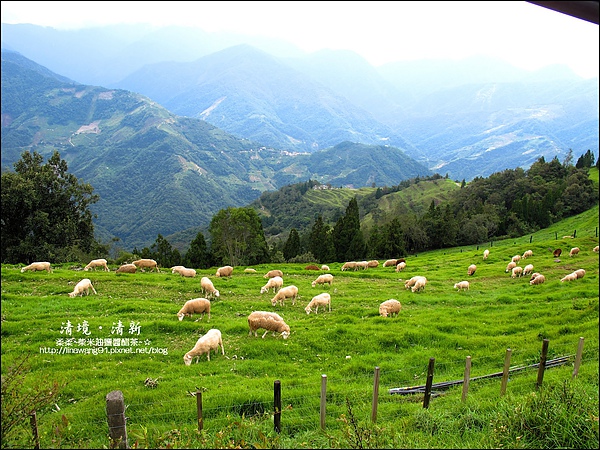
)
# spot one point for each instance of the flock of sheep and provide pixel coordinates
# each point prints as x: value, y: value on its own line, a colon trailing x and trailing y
x: 273, y: 322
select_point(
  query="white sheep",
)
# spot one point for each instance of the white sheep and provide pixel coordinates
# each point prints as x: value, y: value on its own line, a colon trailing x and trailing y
x: 510, y: 266
x: 517, y: 272
x: 210, y: 341
x: 373, y: 263
x: 97, y: 263
x: 249, y: 270
x: 325, y: 267
x: 323, y: 299
x: 273, y: 273
x: 580, y: 273
x: 390, y: 263
x: 462, y: 285
x: 574, y: 251
x: 533, y: 275
x: 127, y: 268
x: 188, y: 273
x: 486, y: 253
x: 37, y: 266
x: 362, y: 265
x: 83, y: 286
x: 400, y: 266
x: 274, y: 283
x: 349, y: 265
x: 224, y: 271
x: 390, y: 308
x: 471, y: 269
x: 527, y: 254
x: 290, y: 291
x: 528, y: 269
x: 539, y: 279
x: 145, y: 263
x: 324, y: 279
x: 569, y: 277
x: 195, y: 306
x: 208, y: 288
x: 176, y: 269
x: 268, y: 321
x: 419, y: 285
x: 516, y: 258
x: 410, y: 283
x: 595, y: 249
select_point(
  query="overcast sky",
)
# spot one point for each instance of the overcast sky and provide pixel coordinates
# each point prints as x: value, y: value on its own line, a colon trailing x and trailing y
x: 525, y: 35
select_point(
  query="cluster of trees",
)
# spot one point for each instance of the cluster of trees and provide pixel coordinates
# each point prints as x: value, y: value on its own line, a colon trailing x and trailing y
x: 45, y: 216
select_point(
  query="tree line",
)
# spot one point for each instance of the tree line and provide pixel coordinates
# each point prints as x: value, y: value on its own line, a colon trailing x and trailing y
x: 46, y: 216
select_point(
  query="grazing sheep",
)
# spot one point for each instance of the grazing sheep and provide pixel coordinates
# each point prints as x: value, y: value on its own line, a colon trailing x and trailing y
x: 176, y: 269
x: 528, y: 269
x: 349, y: 265
x: 146, y: 264
x: 419, y: 285
x: 533, y: 275
x: 37, y: 266
x: 83, y: 286
x: 537, y: 280
x: 249, y: 270
x: 410, y: 283
x: 273, y: 273
x: 268, y: 321
x: 595, y: 249
x: 208, y: 288
x: 326, y: 278
x: 373, y: 263
x: 471, y: 269
x: 290, y: 291
x: 557, y: 252
x: 185, y: 272
x: 390, y: 308
x: 574, y: 251
x: 323, y: 299
x: 390, y: 263
x: 580, y: 273
x: 570, y: 277
x: 325, y: 267
x: 127, y: 268
x: 516, y: 258
x: 362, y: 265
x: 400, y: 266
x: 274, y: 283
x: 195, y: 306
x: 312, y: 267
x: 210, y: 341
x: 224, y: 271
x: 567, y: 237
x: 97, y: 263
x: 462, y: 285
x: 527, y: 254
x: 486, y: 253
x: 517, y: 272
x: 510, y: 266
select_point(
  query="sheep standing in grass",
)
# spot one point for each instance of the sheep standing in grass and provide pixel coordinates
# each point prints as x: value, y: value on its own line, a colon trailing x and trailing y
x: 595, y: 249
x: 83, y: 286
x: 37, y: 266
x: 462, y: 286
x: 290, y: 291
x: 400, y: 266
x: 580, y: 273
x: 210, y: 341
x: 528, y: 269
x: 146, y: 264
x: 486, y: 253
x: 195, y: 306
x: 419, y: 285
x: 176, y: 269
x: 527, y: 254
x: 274, y: 283
x: 539, y: 279
x: 390, y: 308
x: 390, y: 263
x: 574, y: 251
x: 273, y: 273
x: 516, y: 258
x: 208, y: 288
x: 324, y: 279
x: 268, y: 321
x: 510, y: 266
x: 127, y: 268
x: 471, y: 269
x: 556, y: 253
x: 349, y: 265
x: 97, y: 263
x: 373, y: 263
x: 410, y: 283
x: 249, y: 270
x: 323, y: 299
x: 517, y: 272
x: 325, y: 267
x: 569, y: 277
x: 224, y: 271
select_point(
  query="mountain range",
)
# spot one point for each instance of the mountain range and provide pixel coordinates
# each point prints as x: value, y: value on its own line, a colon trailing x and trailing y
x: 187, y: 122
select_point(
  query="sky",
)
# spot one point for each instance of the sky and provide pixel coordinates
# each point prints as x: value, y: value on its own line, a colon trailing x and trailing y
x: 523, y: 34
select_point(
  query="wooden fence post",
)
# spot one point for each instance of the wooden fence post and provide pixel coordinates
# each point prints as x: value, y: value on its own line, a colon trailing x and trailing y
x: 428, y: 383
x: 277, y: 405
x: 466, y: 379
x: 542, y: 366
x: 375, y: 396
x: 115, y: 412
x: 323, y: 399
x: 578, y: 358
x: 199, y: 409
x: 34, y: 430
x: 505, y: 372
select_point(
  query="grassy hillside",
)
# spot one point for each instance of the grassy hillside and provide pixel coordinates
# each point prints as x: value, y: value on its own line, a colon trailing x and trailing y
x: 347, y: 345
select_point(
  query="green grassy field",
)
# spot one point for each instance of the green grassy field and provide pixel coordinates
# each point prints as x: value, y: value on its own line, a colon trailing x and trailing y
x: 347, y: 344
